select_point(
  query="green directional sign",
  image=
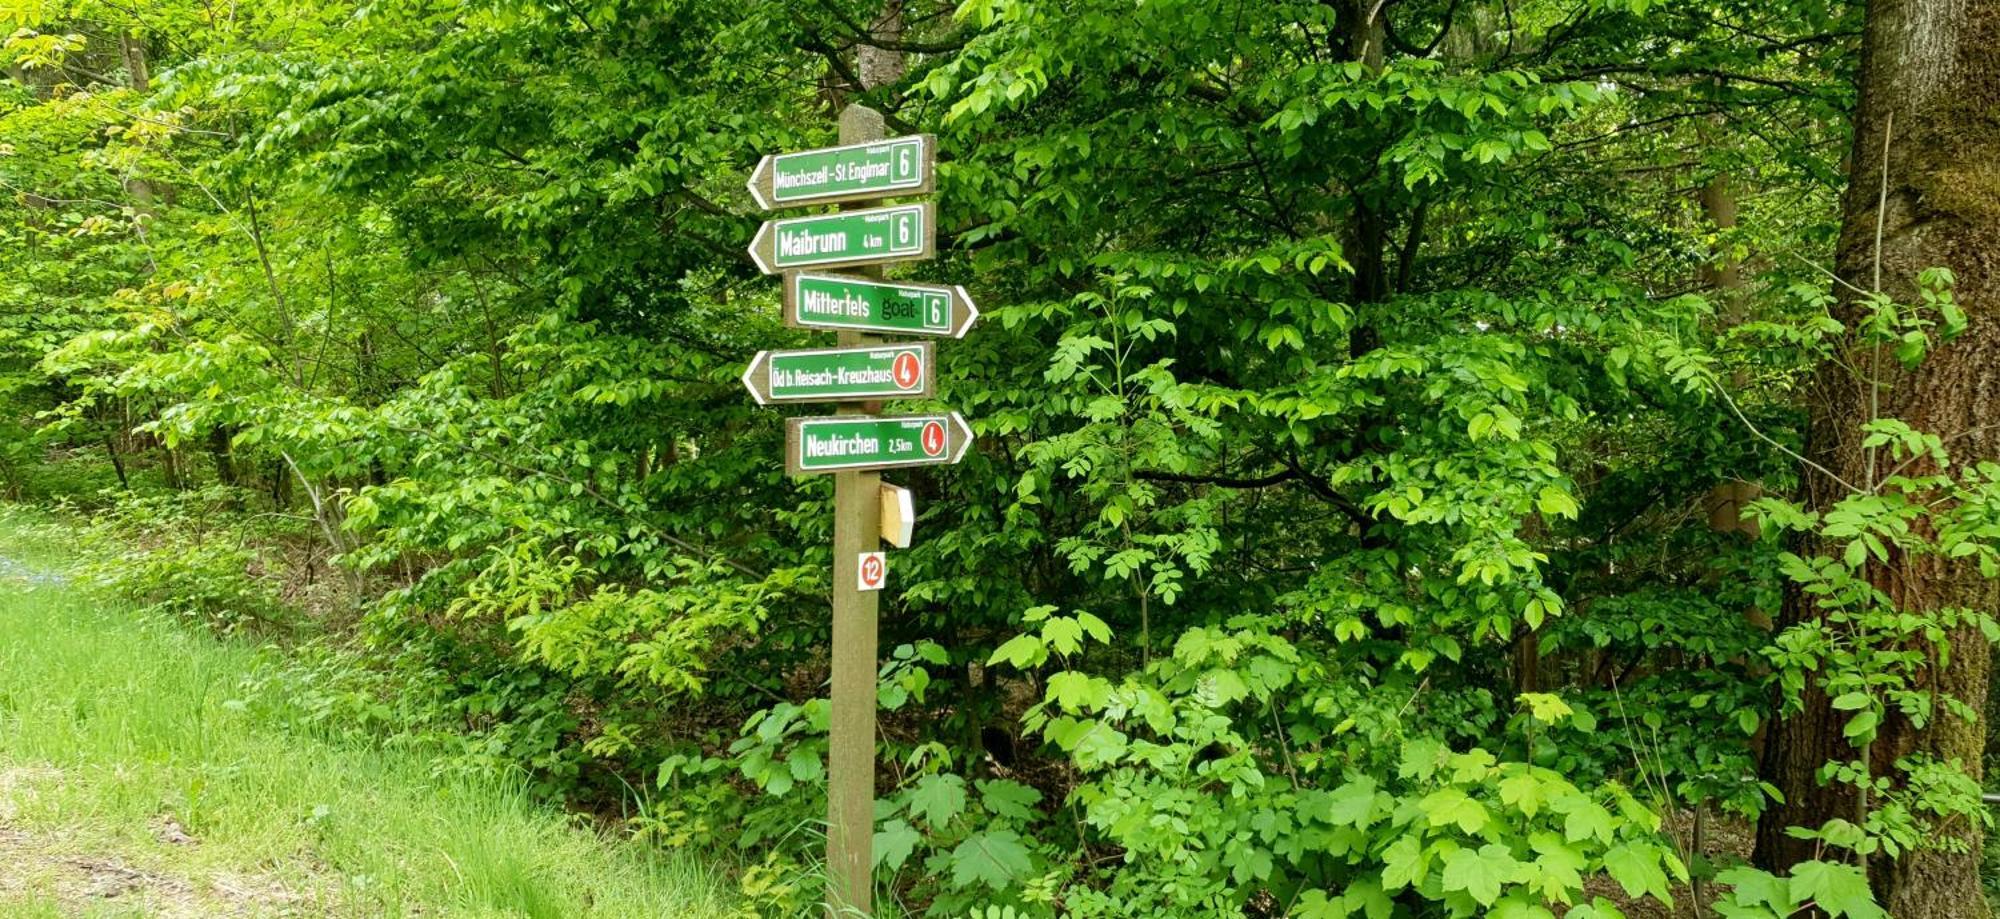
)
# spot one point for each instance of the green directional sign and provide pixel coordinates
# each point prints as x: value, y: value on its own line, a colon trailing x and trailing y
x: 867, y: 237
x: 832, y: 301
x: 835, y: 443
x: 841, y: 374
x: 897, y: 166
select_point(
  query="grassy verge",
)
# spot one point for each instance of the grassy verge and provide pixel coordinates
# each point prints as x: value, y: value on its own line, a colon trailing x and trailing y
x: 134, y: 782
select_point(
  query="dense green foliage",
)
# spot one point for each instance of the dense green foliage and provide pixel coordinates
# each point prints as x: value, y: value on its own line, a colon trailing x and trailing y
x: 1351, y: 397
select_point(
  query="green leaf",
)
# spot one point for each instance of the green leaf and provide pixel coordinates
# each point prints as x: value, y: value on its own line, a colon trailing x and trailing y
x: 1852, y: 701
x: 1452, y: 806
x: 938, y: 799
x: 1403, y: 863
x: 1315, y: 904
x: 1862, y: 726
x: 1078, y: 692
x: 1523, y: 792
x: 894, y: 842
x: 1519, y: 906
x: 1753, y: 886
x: 1559, y: 864
x: 805, y: 764
x: 1094, y: 627
x: 1023, y: 651
x: 1063, y: 635
x: 1421, y: 759
x: 1353, y: 803
x: 1555, y: 502
x: 1636, y: 868
x: 1841, y: 890
x: 1585, y: 819
x: 1365, y: 897
x: 995, y: 858
x: 1248, y: 864
x: 1597, y: 908
x: 1546, y: 708
x: 1008, y: 799
x: 1480, y: 874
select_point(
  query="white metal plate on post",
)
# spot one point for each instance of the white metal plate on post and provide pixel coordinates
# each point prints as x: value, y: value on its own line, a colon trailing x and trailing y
x: 872, y: 571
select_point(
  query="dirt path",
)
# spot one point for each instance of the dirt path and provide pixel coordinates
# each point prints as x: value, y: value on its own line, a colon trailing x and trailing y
x: 45, y: 871
x: 17, y: 570
x: 41, y: 871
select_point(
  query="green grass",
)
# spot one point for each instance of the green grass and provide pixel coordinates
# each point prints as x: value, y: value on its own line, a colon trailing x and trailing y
x: 113, y: 724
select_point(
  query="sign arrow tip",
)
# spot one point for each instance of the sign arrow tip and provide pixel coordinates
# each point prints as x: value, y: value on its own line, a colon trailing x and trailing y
x: 751, y: 183
x: 750, y: 372
x: 971, y: 311
x: 964, y: 436
x: 756, y: 249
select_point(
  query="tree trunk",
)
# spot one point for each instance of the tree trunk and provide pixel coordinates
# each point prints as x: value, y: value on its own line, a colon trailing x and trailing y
x: 219, y: 453
x: 329, y: 514
x: 883, y: 66
x: 1726, y: 500
x: 132, y: 47
x: 1362, y: 35
x: 1931, y: 93
x: 117, y: 464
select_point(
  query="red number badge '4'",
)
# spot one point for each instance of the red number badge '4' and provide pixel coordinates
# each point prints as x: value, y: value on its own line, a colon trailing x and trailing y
x: 908, y: 370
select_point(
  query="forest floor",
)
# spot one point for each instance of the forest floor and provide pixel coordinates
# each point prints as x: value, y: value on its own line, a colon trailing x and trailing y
x: 134, y: 781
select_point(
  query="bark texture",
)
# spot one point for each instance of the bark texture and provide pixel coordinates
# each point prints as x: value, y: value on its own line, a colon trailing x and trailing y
x: 1724, y: 277
x: 883, y: 66
x: 1930, y: 99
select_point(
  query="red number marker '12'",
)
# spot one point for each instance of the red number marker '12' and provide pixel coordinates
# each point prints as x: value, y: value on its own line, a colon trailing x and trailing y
x: 873, y: 567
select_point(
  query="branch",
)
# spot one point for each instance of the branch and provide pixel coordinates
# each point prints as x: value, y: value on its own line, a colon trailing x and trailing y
x: 1344, y: 503
x: 1406, y: 260
x: 1293, y: 472
x: 859, y: 34
x: 1267, y: 481
x: 1760, y: 435
x: 1444, y: 29
x: 835, y: 62
x: 1968, y: 432
x: 1670, y: 71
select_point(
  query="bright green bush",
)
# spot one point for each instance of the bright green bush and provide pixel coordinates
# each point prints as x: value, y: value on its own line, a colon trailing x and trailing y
x: 182, y: 556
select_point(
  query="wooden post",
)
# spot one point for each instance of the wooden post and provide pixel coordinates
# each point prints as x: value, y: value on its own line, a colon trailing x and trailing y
x: 857, y: 528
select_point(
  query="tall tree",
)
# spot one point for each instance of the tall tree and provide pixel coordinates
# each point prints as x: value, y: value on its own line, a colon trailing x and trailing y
x: 1924, y: 191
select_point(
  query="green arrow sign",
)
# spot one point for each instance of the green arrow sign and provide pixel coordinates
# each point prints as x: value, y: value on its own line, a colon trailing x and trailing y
x: 868, y: 237
x: 841, y: 442
x: 841, y: 374
x: 897, y: 166
x: 832, y: 301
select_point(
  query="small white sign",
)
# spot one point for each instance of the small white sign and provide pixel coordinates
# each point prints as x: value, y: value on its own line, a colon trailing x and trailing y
x: 874, y: 568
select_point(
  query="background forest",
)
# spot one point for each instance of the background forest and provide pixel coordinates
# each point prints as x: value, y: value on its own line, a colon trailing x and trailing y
x: 1435, y: 457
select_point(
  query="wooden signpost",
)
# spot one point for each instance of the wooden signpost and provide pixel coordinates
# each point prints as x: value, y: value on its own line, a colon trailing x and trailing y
x: 853, y: 445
